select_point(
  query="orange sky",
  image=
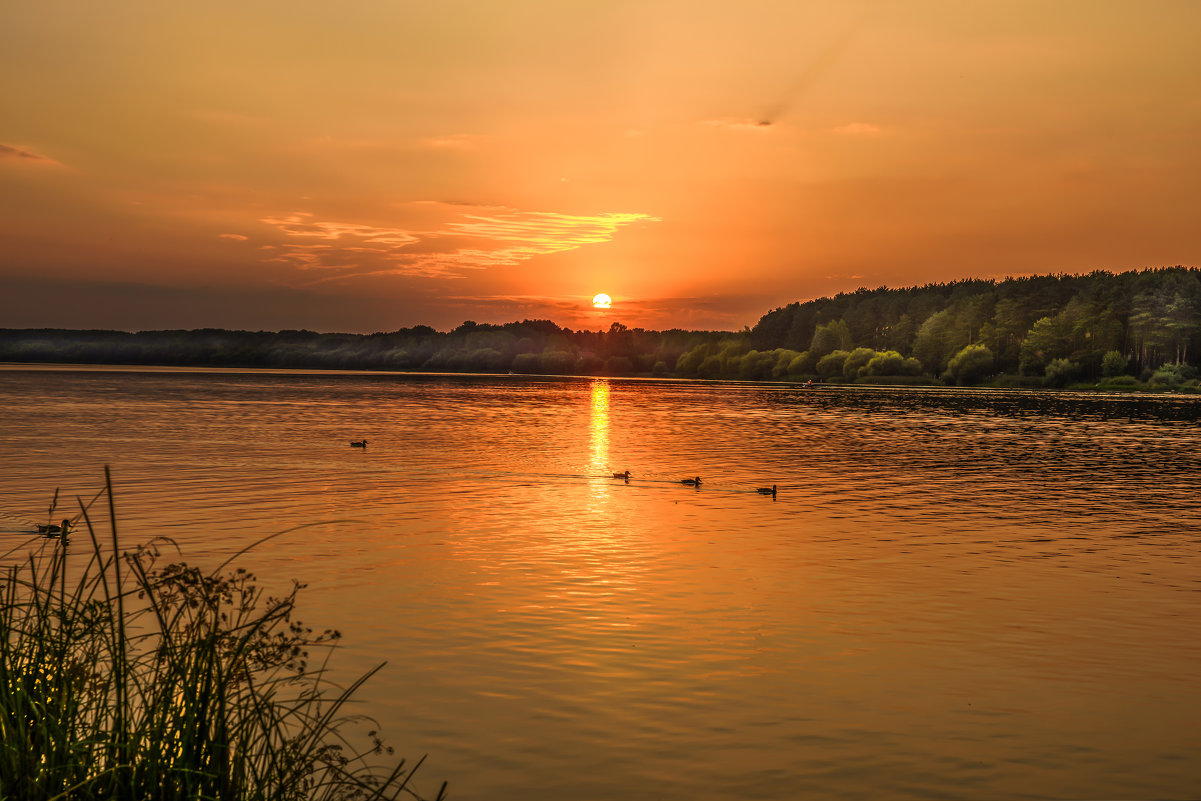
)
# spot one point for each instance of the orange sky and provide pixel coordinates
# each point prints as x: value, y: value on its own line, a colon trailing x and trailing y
x: 384, y: 163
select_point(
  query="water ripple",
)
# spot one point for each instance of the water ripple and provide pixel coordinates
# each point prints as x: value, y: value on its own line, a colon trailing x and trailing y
x: 968, y: 594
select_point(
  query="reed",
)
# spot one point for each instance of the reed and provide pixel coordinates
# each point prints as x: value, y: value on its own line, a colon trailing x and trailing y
x: 125, y: 677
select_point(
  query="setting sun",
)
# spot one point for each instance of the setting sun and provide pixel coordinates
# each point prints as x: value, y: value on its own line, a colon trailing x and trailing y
x: 602, y: 301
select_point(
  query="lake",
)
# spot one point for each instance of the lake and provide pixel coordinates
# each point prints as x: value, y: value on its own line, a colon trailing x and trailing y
x: 964, y: 594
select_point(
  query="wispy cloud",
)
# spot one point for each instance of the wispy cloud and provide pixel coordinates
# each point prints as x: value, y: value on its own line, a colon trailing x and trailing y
x: 453, y: 141
x: 761, y: 126
x: 517, y: 306
x: 545, y: 232
x: 302, y: 225
x: 458, y: 244
x: 816, y: 68
x: 21, y: 154
x: 237, y: 237
x: 857, y: 129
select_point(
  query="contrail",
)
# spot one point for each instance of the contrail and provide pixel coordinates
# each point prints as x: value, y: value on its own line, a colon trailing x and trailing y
x: 825, y: 59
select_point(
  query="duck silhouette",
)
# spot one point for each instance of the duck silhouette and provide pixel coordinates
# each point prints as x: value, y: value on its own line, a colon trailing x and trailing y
x: 767, y: 490
x: 692, y: 482
x: 625, y: 475
x: 50, y: 528
x: 359, y: 443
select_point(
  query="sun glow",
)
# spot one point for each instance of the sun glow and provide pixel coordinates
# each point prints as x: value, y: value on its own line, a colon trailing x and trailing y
x: 602, y: 301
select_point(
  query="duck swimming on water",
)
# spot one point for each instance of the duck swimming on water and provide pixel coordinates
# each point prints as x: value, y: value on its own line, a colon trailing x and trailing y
x: 62, y: 528
x: 767, y: 490
x: 359, y: 443
x: 692, y: 482
x: 625, y: 475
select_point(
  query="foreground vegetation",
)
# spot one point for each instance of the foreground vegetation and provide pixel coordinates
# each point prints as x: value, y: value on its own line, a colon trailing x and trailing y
x: 127, y: 679
x: 1132, y: 330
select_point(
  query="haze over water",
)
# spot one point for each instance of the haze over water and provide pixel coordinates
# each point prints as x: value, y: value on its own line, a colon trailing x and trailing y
x: 956, y: 594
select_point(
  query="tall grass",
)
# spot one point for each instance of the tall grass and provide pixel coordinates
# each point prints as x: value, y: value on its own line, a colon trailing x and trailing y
x: 124, y: 677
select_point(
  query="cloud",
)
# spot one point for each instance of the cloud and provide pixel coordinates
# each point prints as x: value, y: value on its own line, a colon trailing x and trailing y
x: 20, y: 154
x: 545, y: 232
x: 725, y: 311
x: 300, y: 225
x: 818, y: 66
x: 515, y: 306
x: 457, y: 204
x: 462, y: 243
x: 237, y: 237
x: 740, y: 124
x: 453, y: 141
x: 857, y: 129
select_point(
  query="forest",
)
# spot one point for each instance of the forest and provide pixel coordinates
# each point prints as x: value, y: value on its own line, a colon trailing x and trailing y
x: 1123, y: 330
x: 1115, y: 329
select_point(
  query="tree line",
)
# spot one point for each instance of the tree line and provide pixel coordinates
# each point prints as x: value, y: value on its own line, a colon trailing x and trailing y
x: 1049, y: 329
x: 529, y: 346
x: 1124, y: 329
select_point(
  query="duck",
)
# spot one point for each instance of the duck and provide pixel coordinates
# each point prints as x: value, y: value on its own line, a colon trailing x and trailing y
x: 692, y: 482
x: 359, y: 443
x: 625, y: 475
x: 767, y: 490
x: 50, y: 528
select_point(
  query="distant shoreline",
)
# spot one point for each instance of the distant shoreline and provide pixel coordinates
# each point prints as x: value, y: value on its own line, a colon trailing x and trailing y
x: 1126, y: 332
x: 48, y: 367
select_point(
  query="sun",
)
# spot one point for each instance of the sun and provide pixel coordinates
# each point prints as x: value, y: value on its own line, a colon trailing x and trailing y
x: 602, y: 301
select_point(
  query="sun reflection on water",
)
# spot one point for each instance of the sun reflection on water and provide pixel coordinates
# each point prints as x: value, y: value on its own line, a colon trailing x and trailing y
x: 599, y: 443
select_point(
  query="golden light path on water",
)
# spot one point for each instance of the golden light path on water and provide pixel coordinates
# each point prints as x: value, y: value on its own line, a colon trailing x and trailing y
x: 599, y: 426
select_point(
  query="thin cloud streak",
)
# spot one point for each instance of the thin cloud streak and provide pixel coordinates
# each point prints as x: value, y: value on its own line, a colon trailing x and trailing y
x: 825, y: 59
x: 739, y: 124
x: 714, y: 313
x: 21, y: 154
x: 858, y: 129
x: 453, y: 141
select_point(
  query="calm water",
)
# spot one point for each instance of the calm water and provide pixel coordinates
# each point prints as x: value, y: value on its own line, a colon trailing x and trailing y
x: 955, y: 594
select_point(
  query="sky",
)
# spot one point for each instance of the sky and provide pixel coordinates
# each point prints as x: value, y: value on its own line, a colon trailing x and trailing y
x: 372, y: 165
